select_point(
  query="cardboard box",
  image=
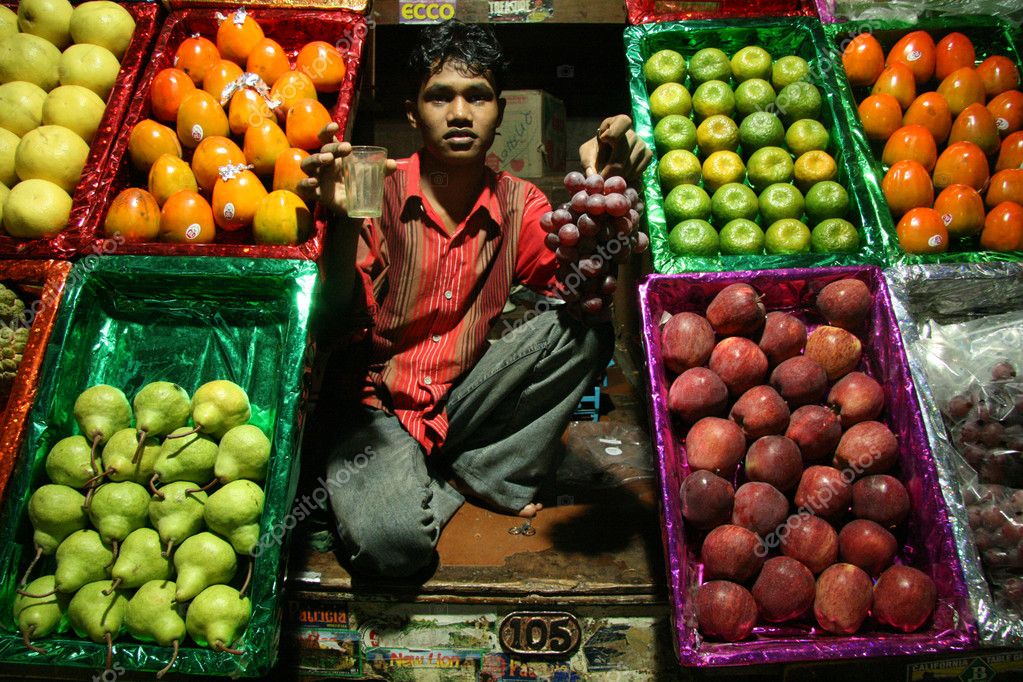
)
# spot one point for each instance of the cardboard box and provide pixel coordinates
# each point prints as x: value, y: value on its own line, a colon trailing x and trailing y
x: 531, y: 139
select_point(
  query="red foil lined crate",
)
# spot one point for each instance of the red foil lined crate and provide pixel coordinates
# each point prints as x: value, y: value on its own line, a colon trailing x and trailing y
x: 291, y: 29
x: 650, y: 11
x: 67, y: 242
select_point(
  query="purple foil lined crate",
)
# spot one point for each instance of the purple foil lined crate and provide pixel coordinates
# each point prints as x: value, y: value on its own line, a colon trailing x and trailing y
x: 926, y: 539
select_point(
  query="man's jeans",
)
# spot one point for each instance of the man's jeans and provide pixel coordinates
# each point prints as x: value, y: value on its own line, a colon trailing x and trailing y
x: 506, y: 418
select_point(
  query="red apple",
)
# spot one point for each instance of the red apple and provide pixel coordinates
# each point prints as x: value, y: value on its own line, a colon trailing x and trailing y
x: 882, y: 499
x: 760, y: 411
x: 697, y: 393
x: 725, y: 611
x: 759, y: 507
x: 845, y: 303
x: 706, y: 500
x: 867, y: 448
x: 843, y: 598
x: 816, y: 430
x: 856, y: 398
x: 835, y: 349
x: 775, y: 460
x: 736, y: 310
x: 823, y: 491
x: 732, y: 552
x: 800, y: 381
x: 740, y: 363
x: 865, y: 544
x: 784, y: 590
x: 810, y: 540
x: 686, y: 341
x: 904, y: 598
x: 784, y: 337
x: 716, y: 445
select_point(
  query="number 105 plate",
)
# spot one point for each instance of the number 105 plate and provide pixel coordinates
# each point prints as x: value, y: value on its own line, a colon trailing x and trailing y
x: 540, y: 633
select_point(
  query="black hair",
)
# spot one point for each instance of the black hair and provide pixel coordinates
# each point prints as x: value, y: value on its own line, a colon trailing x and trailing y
x: 472, y: 46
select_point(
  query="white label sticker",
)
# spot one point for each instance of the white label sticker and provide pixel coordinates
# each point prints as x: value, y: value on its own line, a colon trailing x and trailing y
x: 197, y: 132
x: 614, y: 452
x: 935, y: 241
x: 193, y: 231
x: 914, y: 55
x: 946, y: 218
x: 1001, y: 123
x: 229, y: 211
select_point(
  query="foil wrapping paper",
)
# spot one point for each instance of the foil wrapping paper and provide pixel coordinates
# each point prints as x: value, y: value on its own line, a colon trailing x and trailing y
x: 361, y: 6
x: 928, y: 542
x: 67, y: 242
x: 292, y: 29
x: 649, y: 11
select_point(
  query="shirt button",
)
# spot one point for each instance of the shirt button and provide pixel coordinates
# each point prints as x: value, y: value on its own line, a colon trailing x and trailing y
x: 447, y: 294
x: 436, y: 338
x: 427, y: 381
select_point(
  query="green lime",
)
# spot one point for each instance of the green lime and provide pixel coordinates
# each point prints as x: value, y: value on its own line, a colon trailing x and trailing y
x: 779, y: 201
x: 733, y: 201
x: 835, y: 235
x: 675, y: 132
x: 799, y: 100
x: 710, y: 64
x: 717, y: 133
x: 685, y: 202
x: 767, y: 166
x: 788, y: 70
x: 752, y: 95
x: 678, y: 167
x: 665, y: 66
x: 825, y: 200
x: 693, y: 238
x: 741, y: 238
x: 670, y: 98
x: 713, y: 97
x: 813, y: 167
x: 721, y: 168
x: 760, y: 129
x: 787, y: 236
x: 807, y: 135
x: 751, y: 62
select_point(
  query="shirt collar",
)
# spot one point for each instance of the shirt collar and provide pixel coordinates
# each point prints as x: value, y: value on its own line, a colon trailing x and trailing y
x: 487, y: 200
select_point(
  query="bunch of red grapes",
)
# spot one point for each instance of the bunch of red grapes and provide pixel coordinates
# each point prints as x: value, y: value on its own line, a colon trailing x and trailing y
x: 597, y: 229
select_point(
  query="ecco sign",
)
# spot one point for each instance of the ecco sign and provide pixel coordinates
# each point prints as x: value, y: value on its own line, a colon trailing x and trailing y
x: 419, y: 12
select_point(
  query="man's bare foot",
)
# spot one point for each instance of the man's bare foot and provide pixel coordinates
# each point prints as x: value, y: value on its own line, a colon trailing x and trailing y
x: 530, y: 510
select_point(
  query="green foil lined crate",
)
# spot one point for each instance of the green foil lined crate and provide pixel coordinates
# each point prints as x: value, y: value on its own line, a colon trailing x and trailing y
x: 800, y: 36
x: 126, y: 321
x: 990, y: 35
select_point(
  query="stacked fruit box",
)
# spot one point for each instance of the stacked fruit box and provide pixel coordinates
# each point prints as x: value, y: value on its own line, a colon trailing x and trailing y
x: 173, y: 324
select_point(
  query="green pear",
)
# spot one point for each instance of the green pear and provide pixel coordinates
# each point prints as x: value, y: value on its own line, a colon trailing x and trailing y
x: 68, y: 462
x: 190, y: 457
x: 152, y: 616
x: 217, y: 617
x: 219, y: 406
x: 203, y: 560
x: 50, y: 19
x: 244, y: 452
x: 101, y: 411
x: 97, y: 612
x: 180, y: 514
x: 39, y: 616
x: 140, y: 560
x: 82, y: 558
x: 234, y: 512
x: 117, y: 509
x: 55, y: 512
x: 161, y: 407
x: 119, y: 463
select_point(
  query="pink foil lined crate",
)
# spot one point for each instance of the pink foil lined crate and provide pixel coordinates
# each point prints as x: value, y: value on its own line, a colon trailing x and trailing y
x: 291, y: 28
x: 926, y: 542
x: 67, y: 242
x: 651, y: 11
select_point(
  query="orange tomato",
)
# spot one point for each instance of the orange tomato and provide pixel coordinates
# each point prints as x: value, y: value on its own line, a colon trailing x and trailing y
x: 863, y: 60
x: 998, y: 74
x: 148, y: 141
x: 961, y: 209
x: 288, y: 169
x: 248, y: 108
x: 166, y: 92
x: 200, y: 116
x: 236, y: 199
x: 1003, y: 227
x: 323, y: 64
x: 1006, y: 185
x: 289, y: 88
x: 195, y: 56
x: 921, y: 230
x: 931, y: 111
x: 237, y: 35
x: 168, y: 175
x: 263, y: 144
x: 915, y: 50
x: 134, y: 215
x: 304, y: 122
x: 281, y: 218
x: 210, y: 156
x: 976, y: 125
x: 1010, y: 155
x: 912, y: 142
x: 219, y: 77
x: 961, y: 88
x: 268, y: 60
x: 1007, y: 108
x: 881, y: 116
x: 896, y: 80
x: 961, y: 163
x: 952, y: 52
x: 186, y: 218
x: 907, y: 185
